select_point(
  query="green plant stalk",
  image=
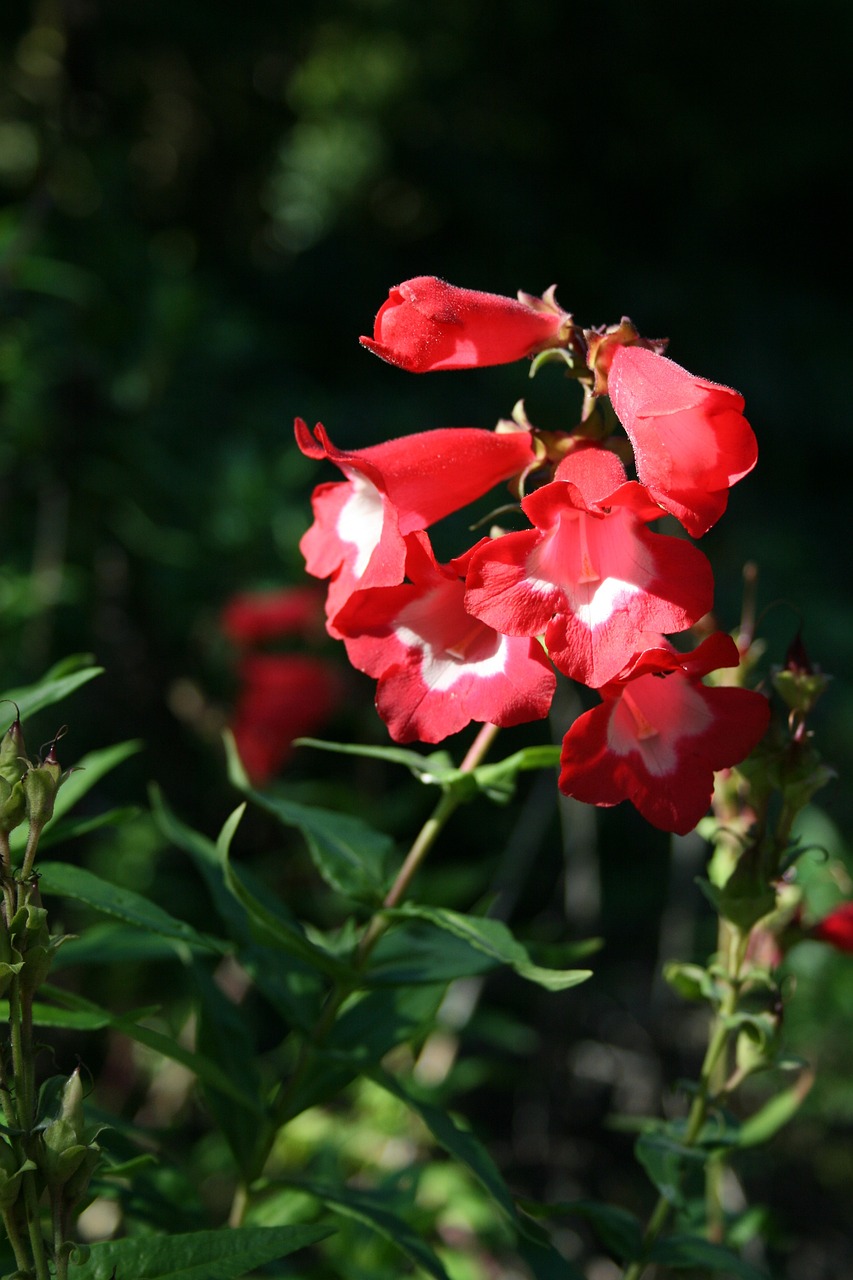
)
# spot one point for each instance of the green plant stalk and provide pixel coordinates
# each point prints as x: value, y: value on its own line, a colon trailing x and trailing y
x: 423, y: 842
x: 735, y: 942
x: 22, y: 1258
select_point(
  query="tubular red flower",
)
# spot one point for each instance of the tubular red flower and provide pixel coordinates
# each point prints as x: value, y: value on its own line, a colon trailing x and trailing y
x: 255, y: 616
x: 437, y: 667
x: 836, y: 928
x: 393, y: 489
x: 590, y: 576
x: 660, y: 734
x: 427, y: 324
x: 691, y: 440
x: 282, y: 696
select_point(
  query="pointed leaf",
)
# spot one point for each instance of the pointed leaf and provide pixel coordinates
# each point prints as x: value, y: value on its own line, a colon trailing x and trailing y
x: 58, y: 683
x: 349, y: 855
x: 371, y: 1209
x: 775, y: 1114
x: 456, y: 1141
x: 199, y: 1255
x: 270, y: 922
x: 68, y: 881
x: 493, y: 939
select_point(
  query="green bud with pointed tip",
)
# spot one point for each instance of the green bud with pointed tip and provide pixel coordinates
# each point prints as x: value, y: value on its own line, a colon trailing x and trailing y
x: 13, y: 754
x: 40, y: 785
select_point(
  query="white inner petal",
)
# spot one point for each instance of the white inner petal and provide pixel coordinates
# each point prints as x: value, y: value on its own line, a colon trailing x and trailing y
x: 360, y: 521
x: 441, y: 670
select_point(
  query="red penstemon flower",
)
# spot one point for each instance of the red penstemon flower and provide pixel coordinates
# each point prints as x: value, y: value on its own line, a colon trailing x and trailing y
x: 255, y: 616
x: 438, y: 668
x: 589, y: 579
x: 691, y: 440
x: 660, y: 734
x: 427, y: 324
x: 393, y: 489
x: 590, y: 576
x: 282, y: 696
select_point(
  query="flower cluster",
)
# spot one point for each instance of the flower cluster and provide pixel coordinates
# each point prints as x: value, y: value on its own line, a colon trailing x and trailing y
x: 589, y: 588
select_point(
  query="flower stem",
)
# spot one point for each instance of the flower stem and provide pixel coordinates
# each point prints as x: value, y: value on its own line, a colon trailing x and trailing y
x: 423, y: 842
x: 733, y: 948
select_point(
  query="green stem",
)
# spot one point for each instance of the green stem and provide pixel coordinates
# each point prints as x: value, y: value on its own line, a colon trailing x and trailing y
x: 421, y: 846
x: 734, y: 949
x: 22, y: 1258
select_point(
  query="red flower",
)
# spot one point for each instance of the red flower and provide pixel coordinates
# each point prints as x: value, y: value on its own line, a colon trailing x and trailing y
x: 691, y: 440
x: 836, y: 928
x: 282, y: 696
x: 393, y: 489
x: 660, y: 734
x: 590, y: 576
x: 427, y: 324
x: 438, y: 668
x: 255, y: 616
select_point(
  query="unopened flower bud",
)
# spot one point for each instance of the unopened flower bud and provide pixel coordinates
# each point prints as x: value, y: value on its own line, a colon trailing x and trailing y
x: 799, y: 683
x: 40, y: 785
x: 13, y: 753
x: 68, y: 1157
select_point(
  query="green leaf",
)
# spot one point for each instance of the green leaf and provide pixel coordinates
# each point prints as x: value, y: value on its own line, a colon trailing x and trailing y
x: 620, y: 1232
x: 291, y: 983
x: 270, y: 922
x: 349, y: 855
x: 457, y: 1142
x: 85, y: 774
x: 76, y: 827
x: 68, y: 881
x: 417, y: 952
x: 692, y: 1251
x: 429, y: 768
x: 371, y: 1210
x: 198, y: 1255
x: 46, y: 1015
x: 664, y: 1161
x: 56, y: 684
x: 108, y: 943
x: 492, y: 938
x: 775, y: 1114
x: 224, y: 1038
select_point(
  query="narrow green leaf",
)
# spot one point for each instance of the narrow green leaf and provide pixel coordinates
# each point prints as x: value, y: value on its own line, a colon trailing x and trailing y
x: 418, y: 952
x: 371, y: 1210
x: 111, y: 943
x: 456, y: 1141
x: 46, y: 1015
x: 199, y: 1255
x: 692, y: 1251
x: 428, y: 768
x: 349, y: 855
x: 58, y: 683
x: 620, y: 1232
x: 269, y: 921
x: 224, y: 1038
x: 775, y: 1114
x: 493, y: 939
x: 68, y: 881
x: 73, y: 828
x: 664, y: 1160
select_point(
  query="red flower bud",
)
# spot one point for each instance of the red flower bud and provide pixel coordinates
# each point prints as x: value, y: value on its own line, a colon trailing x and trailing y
x: 427, y: 324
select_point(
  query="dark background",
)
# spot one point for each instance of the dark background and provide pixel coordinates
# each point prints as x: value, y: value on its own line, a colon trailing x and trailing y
x: 203, y: 207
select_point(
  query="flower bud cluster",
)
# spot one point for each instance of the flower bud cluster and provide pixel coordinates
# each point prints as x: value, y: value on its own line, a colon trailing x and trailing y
x: 588, y: 588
